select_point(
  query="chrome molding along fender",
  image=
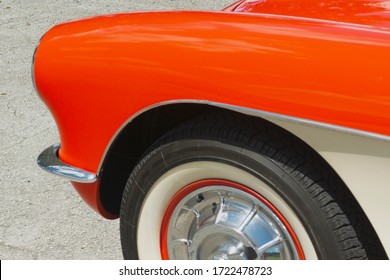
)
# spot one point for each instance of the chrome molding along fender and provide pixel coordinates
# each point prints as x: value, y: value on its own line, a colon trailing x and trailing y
x: 48, y: 160
x: 276, y: 118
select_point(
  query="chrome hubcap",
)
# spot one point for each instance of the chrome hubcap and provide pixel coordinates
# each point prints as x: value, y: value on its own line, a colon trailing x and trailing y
x: 225, y: 222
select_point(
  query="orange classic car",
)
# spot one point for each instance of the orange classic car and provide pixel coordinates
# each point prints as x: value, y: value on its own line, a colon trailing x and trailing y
x: 258, y: 132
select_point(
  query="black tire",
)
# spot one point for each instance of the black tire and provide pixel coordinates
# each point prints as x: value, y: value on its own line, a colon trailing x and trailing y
x: 295, y: 178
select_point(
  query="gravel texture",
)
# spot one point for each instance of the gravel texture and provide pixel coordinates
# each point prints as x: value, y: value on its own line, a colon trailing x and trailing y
x: 41, y: 216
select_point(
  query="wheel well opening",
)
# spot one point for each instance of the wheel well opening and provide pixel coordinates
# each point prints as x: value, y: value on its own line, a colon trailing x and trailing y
x: 134, y: 140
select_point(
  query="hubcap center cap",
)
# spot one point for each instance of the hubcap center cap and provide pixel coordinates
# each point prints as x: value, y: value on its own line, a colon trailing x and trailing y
x: 219, y: 242
x: 225, y: 222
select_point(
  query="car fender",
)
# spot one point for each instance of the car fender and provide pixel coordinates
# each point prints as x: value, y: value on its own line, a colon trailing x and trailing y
x: 295, y: 72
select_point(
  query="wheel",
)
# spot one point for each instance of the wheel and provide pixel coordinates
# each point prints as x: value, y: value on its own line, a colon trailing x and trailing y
x: 231, y: 188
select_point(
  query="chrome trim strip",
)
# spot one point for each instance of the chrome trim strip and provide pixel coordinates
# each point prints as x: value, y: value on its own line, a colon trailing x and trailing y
x: 247, y: 111
x: 280, y: 117
x: 32, y: 67
x: 48, y: 160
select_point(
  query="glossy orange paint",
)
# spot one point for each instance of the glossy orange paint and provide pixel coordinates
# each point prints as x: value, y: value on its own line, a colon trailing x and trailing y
x: 97, y: 73
x: 368, y: 12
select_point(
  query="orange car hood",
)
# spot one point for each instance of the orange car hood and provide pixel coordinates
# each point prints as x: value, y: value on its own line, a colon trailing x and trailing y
x: 368, y: 12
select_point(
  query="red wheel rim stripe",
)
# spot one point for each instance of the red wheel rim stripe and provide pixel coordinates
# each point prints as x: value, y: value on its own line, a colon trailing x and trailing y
x: 204, y: 183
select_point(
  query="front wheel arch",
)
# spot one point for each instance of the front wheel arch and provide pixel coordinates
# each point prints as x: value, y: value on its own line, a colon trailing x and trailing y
x: 131, y: 142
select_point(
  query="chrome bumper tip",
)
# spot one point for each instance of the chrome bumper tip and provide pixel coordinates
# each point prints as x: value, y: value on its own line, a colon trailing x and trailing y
x: 48, y: 160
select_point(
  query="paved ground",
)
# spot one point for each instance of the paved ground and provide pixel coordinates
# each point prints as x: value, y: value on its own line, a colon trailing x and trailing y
x: 41, y: 216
